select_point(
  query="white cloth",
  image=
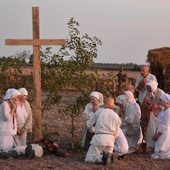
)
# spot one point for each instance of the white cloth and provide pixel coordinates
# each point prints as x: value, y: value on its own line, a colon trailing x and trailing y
x: 28, y: 122
x: 121, y: 146
x: 97, y: 95
x: 137, y: 108
x: 165, y: 97
x: 22, y: 117
x: 88, y: 113
x: 153, y: 85
x: 107, y: 123
x: 151, y: 129
x: 36, y: 147
x: 22, y: 114
x: 143, y: 91
x: 8, y: 127
x: 132, y: 100
x: 20, y: 140
x: 23, y: 91
x: 15, y: 93
x: 94, y: 153
x: 162, y: 146
x: 131, y: 116
x: 8, y: 94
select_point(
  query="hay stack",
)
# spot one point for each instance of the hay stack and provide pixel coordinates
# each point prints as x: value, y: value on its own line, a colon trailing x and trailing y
x: 159, y: 55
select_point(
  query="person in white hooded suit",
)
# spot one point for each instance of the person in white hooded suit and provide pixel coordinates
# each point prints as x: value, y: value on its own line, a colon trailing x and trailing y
x: 8, y: 115
x: 24, y: 119
x: 153, y: 108
x: 96, y: 99
x: 162, y: 135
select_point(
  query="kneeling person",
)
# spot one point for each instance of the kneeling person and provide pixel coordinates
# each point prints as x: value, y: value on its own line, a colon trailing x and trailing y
x: 107, y: 123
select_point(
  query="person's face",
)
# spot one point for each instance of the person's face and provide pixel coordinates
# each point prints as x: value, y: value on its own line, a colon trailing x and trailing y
x: 148, y: 88
x: 121, y: 69
x: 16, y: 99
x: 130, y: 88
x: 144, y: 71
x: 23, y: 98
x: 94, y: 101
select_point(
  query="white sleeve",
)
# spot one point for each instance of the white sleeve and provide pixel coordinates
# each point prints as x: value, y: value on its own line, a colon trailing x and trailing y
x: 130, y: 114
x: 86, y: 112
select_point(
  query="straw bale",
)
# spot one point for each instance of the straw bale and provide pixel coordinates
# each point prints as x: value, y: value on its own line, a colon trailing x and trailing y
x: 159, y: 55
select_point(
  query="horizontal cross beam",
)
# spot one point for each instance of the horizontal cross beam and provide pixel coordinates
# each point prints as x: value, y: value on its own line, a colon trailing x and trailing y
x: 39, y: 42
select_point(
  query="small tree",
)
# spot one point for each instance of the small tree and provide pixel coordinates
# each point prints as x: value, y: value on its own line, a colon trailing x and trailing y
x: 59, y: 73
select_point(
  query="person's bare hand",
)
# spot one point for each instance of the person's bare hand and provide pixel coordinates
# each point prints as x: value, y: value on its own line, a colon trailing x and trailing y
x: 144, y: 80
x: 95, y: 108
x: 154, y: 138
x: 55, y: 144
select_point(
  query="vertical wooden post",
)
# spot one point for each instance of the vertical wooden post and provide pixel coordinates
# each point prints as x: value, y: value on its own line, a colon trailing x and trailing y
x: 36, y: 42
x: 37, y: 73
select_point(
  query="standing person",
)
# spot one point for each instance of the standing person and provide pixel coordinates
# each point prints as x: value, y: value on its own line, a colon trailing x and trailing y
x: 153, y: 108
x: 107, y: 123
x: 24, y: 120
x: 8, y: 115
x: 96, y: 99
x: 162, y: 135
x: 130, y: 117
x: 141, y: 80
x: 121, y: 78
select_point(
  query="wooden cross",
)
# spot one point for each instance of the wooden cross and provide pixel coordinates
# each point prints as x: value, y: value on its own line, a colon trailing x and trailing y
x: 36, y: 42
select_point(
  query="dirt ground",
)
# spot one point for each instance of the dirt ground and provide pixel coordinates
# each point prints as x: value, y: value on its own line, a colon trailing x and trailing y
x: 54, y: 122
x: 76, y: 162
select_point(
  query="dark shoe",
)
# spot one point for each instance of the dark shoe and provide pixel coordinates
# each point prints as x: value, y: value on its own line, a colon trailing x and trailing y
x: 3, y: 155
x: 107, y: 158
x: 29, y: 152
x: 61, y: 153
x: 12, y: 153
x: 121, y: 157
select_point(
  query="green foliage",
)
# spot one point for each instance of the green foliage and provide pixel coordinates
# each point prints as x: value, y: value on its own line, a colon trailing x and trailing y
x: 65, y: 70
x: 11, y: 74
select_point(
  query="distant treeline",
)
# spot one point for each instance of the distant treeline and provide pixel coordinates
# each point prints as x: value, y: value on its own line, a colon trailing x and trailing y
x: 116, y: 66
x: 105, y: 66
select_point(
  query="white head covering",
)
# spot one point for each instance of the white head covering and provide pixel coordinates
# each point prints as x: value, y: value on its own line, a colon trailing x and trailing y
x: 101, y: 98
x: 14, y: 93
x: 95, y: 94
x: 165, y: 97
x: 130, y: 96
x: 152, y: 84
x: 122, y: 99
x: 23, y: 91
x: 8, y: 94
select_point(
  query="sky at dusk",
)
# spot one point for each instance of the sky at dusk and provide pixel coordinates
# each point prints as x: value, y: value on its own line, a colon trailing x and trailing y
x: 127, y: 28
